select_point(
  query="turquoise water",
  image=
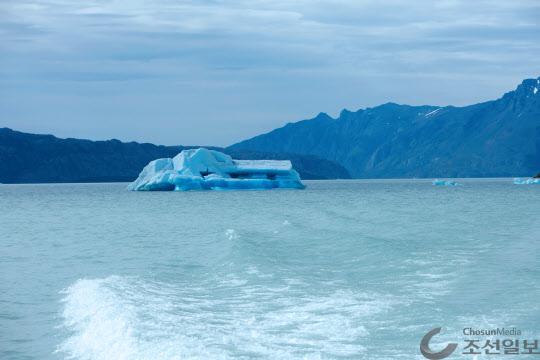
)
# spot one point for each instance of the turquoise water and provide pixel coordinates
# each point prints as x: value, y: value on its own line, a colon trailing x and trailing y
x: 341, y: 270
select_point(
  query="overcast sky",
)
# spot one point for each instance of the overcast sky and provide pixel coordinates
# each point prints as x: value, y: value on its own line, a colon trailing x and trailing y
x: 218, y: 71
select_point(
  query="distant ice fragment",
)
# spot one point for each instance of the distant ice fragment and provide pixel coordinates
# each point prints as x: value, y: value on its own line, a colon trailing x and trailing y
x: 231, y: 234
x: 203, y: 169
x: 438, y: 182
x: 519, y: 181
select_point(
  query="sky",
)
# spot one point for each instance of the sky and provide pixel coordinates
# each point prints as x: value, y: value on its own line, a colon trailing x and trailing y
x: 214, y: 72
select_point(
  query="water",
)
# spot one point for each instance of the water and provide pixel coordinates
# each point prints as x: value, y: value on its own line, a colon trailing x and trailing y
x: 341, y: 270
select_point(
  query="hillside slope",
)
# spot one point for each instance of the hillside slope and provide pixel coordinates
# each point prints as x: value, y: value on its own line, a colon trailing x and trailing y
x: 31, y: 158
x: 494, y: 138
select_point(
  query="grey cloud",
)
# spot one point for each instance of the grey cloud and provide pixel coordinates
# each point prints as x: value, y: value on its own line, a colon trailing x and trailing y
x: 273, y: 61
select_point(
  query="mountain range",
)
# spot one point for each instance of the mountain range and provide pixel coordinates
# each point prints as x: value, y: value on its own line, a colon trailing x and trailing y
x: 31, y: 158
x: 490, y: 139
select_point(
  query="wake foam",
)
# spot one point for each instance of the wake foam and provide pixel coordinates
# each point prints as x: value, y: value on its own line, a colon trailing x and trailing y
x: 101, y: 322
x: 126, y: 318
x: 122, y: 318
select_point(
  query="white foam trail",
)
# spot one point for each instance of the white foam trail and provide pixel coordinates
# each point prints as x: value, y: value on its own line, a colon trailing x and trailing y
x: 101, y: 322
x: 119, y: 318
x: 126, y: 318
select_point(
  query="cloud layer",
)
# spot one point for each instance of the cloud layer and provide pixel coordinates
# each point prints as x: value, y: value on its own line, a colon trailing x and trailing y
x: 213, y: 72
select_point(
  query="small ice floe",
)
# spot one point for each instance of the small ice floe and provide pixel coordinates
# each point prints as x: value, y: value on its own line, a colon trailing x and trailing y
x: 438, y: 182
x: 286, y: 223
x: 519, y: 181
x: 231, y: 234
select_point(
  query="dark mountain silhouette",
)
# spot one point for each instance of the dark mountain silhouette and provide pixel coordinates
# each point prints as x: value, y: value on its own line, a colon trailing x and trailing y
x: 494, y: 138
x: 31, y: 158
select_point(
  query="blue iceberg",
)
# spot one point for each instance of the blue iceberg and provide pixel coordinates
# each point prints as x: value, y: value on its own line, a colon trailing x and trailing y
x: 438, y: 182
x: 529, y: 181
x: 203, y: 169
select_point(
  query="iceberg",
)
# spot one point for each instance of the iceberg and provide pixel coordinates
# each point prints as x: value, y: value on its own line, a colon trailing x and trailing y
x: 519, y: 181
x: 203, y: 169
x: 438, y: 182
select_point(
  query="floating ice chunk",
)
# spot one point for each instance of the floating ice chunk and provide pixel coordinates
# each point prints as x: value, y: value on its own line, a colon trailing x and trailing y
x: 438, y: 182
x: 286, y: 223
x: 231, y: 234
x: 529, y: 181
x: 203, y: 169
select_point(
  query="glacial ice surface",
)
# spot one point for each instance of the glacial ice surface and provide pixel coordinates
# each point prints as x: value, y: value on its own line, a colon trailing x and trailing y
x: 203, y: 169
x: 529, y: 181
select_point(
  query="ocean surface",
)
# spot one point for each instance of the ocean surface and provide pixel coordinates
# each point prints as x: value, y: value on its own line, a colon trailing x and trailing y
x: 341, y: 270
